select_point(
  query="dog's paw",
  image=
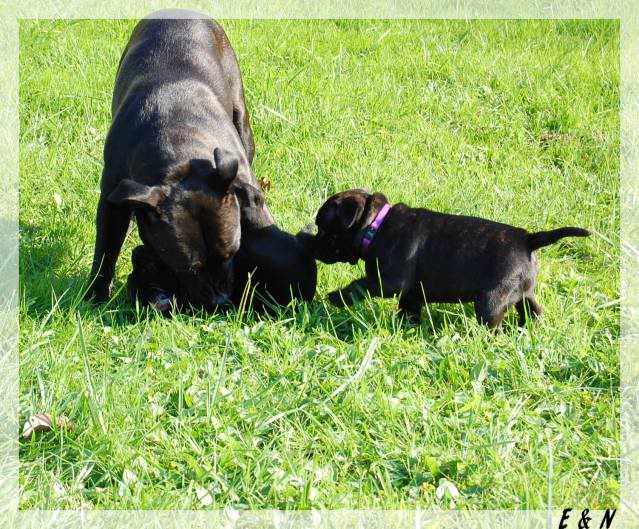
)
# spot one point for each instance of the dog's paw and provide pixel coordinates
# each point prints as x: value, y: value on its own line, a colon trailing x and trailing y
x: 98, y: 295
x: 413, y: 320
x: 336, y: 298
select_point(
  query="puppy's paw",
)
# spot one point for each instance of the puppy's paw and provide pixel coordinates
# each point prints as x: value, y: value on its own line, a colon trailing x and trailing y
x: 411, y: 317
x: 336, y: 298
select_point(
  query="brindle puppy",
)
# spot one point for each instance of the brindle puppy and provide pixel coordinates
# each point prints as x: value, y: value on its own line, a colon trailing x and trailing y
x: 152, y: 283
x: 426, y: 256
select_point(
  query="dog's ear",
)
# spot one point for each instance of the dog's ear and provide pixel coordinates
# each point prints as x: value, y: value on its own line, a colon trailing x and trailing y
x: 348, y: 211
x: 248, y: 196
x: 226, y: 165
x: 135, y: 195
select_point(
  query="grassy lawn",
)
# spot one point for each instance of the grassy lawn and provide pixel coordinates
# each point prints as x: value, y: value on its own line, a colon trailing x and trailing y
x: 516, y: 121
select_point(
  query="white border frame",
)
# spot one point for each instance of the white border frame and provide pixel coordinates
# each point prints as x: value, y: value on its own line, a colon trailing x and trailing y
x: 628, y: 513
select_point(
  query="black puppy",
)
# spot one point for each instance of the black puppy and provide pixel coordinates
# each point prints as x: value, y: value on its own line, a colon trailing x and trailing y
x: 274, y: 264
x: 179, y: 138
x: 426, y: 256
x: 279, y: 265
x: 152, y: 283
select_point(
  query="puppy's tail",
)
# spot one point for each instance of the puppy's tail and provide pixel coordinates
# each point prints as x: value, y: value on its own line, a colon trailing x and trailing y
x: 544, y: 238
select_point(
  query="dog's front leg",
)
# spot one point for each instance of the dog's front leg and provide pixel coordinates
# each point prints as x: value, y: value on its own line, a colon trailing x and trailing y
x: 112, y: 223
x: 350, y: 294
x: 358, y: 289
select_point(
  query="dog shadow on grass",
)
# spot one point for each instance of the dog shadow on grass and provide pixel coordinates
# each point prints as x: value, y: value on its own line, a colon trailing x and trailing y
x: 53, y: 275
x: 42, y: 276
x: 375, y: 317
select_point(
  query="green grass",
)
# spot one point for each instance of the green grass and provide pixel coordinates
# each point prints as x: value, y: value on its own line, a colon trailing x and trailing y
x: 516, y: 121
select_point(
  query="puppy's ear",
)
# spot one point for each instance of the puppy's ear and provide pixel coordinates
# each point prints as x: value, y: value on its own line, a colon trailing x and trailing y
x: 226, y: 165
x: 348, y: 212
x: 133, y: 194
x: 248, y: 196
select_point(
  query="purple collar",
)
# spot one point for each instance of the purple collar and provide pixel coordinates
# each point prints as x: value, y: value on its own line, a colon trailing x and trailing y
x: 370, y: 232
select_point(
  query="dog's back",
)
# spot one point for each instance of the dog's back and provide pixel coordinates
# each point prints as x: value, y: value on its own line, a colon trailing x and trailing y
x: 161, y: 52
x: 172, y: 100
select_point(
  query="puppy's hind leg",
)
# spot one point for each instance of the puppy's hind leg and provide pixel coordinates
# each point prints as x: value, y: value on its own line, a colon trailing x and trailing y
x: 528, y: 306
x: 490, y: 307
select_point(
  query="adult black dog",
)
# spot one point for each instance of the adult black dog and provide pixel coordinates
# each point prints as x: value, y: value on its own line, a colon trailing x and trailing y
x: 179, y: 142
x: 427, y: 256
